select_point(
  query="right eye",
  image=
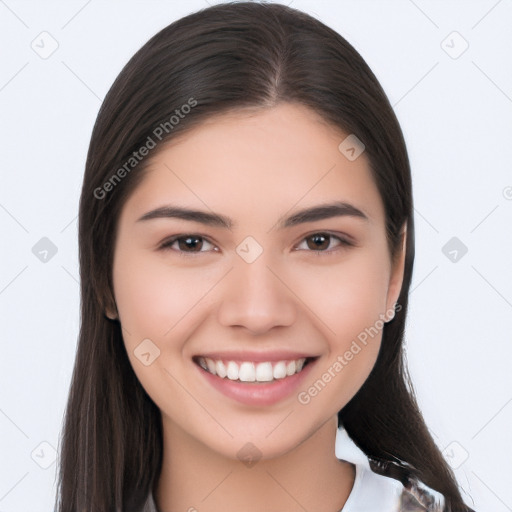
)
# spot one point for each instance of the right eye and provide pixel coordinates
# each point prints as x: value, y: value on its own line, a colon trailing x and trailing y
x: 186, y: 244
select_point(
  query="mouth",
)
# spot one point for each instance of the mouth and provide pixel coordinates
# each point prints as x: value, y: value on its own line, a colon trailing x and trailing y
x: 253, y: 372
x: 254, y: 378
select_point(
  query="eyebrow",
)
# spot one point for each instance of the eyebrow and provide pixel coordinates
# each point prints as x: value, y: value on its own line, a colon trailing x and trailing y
x: 315, y: 213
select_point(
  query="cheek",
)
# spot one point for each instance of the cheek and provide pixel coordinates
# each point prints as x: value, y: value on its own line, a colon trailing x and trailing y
x: 348, y: 300
x: 162, y: 305
x: 151, y: 298
x: 347, y: 297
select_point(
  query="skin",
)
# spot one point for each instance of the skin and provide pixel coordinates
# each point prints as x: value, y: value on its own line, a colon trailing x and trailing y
x: 253, y: 167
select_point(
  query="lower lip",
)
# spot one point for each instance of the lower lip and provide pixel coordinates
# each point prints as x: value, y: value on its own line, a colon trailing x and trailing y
x: 253, y: 393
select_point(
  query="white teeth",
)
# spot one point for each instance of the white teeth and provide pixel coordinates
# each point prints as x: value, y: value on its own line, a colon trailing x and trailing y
x: 220, y: 369
x: 247, y: 372
x: 252, y: 372
x: 280, y: 370
x: 210, y: 363
x: 232, y: 370
x: 264, y: 372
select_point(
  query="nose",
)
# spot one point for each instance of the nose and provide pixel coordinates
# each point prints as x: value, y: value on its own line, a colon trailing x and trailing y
x: 256, y: 297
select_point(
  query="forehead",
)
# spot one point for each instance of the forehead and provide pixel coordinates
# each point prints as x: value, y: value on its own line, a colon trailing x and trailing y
x: 258, y: 161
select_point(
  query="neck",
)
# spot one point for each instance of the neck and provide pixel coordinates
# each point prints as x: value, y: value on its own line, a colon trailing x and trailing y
x: 309, y: 477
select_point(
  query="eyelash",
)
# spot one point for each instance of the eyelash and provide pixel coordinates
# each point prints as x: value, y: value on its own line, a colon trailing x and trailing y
x: 343, y: 243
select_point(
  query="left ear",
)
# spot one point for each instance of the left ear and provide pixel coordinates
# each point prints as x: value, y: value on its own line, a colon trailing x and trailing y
x: 397, y: 273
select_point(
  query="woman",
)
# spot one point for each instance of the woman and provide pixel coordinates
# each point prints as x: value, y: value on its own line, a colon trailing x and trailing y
x: 246, y: 250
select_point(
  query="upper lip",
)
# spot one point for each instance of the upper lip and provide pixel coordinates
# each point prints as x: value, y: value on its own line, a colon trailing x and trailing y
x: 250, y: 355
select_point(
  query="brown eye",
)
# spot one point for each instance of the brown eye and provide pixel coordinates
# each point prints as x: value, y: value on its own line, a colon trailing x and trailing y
x: 321, y: 242
x: 193, y: 243
x: 187, y: 244
x: 318, y: 241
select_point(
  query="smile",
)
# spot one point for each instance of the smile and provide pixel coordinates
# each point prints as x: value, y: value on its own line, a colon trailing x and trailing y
x: 252, y: 371
x: 257, y: 379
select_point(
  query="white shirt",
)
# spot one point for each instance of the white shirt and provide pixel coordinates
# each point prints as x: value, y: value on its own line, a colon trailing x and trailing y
x: 372, y: 492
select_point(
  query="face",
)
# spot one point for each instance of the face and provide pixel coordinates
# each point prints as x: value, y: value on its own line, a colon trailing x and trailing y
x: 290, y: 306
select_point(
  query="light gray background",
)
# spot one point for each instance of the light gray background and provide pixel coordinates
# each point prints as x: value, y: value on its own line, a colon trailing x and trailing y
x: 456, y: 114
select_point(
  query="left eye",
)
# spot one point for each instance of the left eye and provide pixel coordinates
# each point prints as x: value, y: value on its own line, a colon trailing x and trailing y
x: 320, y: 242
x: 194, y: 244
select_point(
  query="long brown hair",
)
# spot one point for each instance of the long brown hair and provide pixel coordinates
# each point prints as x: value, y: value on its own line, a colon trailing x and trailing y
x: 226, y: 57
